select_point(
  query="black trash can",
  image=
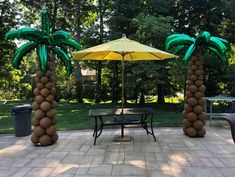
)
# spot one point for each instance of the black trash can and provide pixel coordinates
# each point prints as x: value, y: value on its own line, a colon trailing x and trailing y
x: 22, y: 119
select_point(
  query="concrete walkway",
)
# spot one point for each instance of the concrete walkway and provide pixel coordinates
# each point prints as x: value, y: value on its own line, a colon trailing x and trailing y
x: 173, y: 155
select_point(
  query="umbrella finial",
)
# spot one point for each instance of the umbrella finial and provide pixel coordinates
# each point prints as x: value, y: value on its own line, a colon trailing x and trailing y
x: 123, y: 36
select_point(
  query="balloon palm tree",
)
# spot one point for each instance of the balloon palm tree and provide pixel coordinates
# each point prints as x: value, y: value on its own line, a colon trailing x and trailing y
x: 44, y: 42
x: 194, y: 116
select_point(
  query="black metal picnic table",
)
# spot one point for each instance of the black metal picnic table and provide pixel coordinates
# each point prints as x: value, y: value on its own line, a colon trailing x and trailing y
x: 122, y: 117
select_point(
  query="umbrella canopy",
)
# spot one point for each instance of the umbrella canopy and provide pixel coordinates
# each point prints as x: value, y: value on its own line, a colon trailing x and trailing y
x: 122, y: 49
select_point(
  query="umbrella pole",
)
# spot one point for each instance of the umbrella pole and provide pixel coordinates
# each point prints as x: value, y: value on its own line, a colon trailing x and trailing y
x: 122, y: 83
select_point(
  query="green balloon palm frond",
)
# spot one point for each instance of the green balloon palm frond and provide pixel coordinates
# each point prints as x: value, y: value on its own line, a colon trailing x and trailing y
x: 179, y: 42
x: 43, y: 40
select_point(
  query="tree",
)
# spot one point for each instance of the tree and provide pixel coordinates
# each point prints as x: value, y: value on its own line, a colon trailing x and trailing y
x: 151, y: 30
x: 11, y: 79
x: 191, y: 17
x: 194, y: 112
x: 44, y: 41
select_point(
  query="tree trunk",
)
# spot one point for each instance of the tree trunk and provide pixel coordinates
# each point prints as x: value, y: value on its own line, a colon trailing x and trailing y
x: 194, y: 116
x: 115, y: 83
x: 142, y: 98
x: 98, y: 84
x: 99, y: 66
x: 160, y: 94
x: 160, y: 86
x: 78, y: 73
x: 44, y: 107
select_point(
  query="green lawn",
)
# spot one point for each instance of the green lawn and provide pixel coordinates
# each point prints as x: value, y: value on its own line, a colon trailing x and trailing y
x: 74, y: 116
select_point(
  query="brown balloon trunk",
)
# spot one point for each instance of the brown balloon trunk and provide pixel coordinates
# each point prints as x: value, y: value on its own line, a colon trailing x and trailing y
x: 44, y: 106
x: 194, y: 116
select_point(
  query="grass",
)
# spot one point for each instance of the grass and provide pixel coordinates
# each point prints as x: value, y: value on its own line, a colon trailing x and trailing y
x: 74, y: 116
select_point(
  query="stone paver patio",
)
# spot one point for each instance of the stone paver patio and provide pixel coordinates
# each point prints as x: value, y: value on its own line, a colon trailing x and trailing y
x: 174, y: 155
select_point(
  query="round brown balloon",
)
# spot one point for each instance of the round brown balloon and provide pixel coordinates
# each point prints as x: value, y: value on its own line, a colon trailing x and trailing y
x: 44, y: 92
x: 35, y: 122
x: 39, y: 131
x: 45, y: 122
x: 51, y: 130
x: 202, y: 116
x: 198, y: 109
x: 193, y: 77
x: 190, y: 72
x: 202, y: 88
x: 44, y: 79
x: 187, y: 123
x: 53, y: 104
x: 198, y: 72
x: 39, y: 74
x: 184, y: 114
x: 200, y: 78
x: 37, y: 79
x: 198, y: 63
x: 51, y: 79
x: 187, y: 108
x: 45, y: 106
x: 54, y: 138
x: 34, y: 139
x: 190, y: 63
x: 187, y: 87
x: 193, y: 88
x: 39, y: 99
x: 48, y: 74
x: 45, y: 140
x: 191, y: 116
x: 50, y: 98
x: 191, y: 101
x: 194, y: 68
x: 40, y: 85
x: 184, y: 130
x: 198, y: 124
x: 191, y: 132
x: 35, y: 105
x: 203, y: 122
x: 198, y: 83
x: 54, y: 120
x: 200, y: 67
x: 202, y: 101
x: 198, y: 95
x: 189, y: 82
x: 201, y: 132
x: 189, y: 94
x: 36, y: 91
x: 51, y: 113
x: 53, y: 91
x: 49, y: 85
x: 39, y: 114
x: 194, y: 59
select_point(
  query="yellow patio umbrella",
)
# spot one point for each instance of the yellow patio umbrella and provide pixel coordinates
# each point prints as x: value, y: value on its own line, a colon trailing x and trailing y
x: 122, y: 49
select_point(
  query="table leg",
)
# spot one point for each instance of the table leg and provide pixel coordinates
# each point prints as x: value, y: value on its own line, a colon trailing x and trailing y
x: 146, y: 124
x: 122, y: 131
x: 95, y: 131
x: 151, y: 124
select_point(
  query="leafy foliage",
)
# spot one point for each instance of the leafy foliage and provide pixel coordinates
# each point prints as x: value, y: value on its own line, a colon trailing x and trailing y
x: 149, y: 22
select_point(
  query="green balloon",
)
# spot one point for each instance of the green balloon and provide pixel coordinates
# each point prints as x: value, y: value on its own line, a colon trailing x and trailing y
x: 178, y: 42
x: 43, y: 41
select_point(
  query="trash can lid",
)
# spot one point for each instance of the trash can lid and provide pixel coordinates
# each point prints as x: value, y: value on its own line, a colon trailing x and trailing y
x: 21, y: 107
